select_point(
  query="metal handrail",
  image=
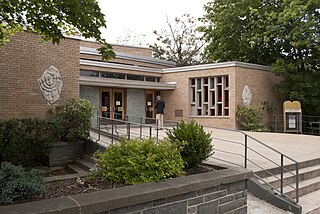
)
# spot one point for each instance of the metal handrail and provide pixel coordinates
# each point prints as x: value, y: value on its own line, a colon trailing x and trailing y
x: 281, y: 165
x: 280, y: 153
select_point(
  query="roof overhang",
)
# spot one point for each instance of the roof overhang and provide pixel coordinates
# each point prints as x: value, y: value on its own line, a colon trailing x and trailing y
x: 215, y: 66
x: 118, y: 66
x: 108, y: 82
x: 119, y: 55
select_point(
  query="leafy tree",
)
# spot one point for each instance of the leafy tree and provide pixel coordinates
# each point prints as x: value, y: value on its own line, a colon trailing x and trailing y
x: 181, y: 44
x: 284, y: 34
x: 52, y: 19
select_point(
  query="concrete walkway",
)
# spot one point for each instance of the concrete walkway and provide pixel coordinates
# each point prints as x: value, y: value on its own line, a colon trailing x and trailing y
x: 229, y: 146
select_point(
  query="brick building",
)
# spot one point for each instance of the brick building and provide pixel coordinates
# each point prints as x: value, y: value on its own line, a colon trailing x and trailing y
x: 38, y: 76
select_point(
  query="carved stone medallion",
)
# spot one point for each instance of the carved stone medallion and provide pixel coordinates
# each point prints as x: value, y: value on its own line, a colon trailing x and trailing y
x: 246, y: 95
x: 50, y: 84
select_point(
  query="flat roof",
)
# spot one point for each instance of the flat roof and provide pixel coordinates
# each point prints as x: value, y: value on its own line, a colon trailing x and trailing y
x: 118, y: 66
x: 216, y: 65
x: 120, y: 55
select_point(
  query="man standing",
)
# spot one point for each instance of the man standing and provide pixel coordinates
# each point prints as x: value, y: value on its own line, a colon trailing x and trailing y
x: 159, y: 106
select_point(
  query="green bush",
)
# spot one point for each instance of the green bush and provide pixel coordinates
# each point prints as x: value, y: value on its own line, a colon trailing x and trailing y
x: 139, y: 161
x: 18, y: 184
x: 194, y: 143
x: 26, y: 141
x: 250, y: 118
x: 74, y: 120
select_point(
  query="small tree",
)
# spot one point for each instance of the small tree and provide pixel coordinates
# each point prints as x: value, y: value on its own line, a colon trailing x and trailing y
x: 74, y: 118
x: 250, y: 118
x: 182, y: 44
x: 195, y: 144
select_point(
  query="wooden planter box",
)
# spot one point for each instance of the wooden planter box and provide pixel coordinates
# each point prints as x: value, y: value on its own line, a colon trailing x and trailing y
x: 63, y: 152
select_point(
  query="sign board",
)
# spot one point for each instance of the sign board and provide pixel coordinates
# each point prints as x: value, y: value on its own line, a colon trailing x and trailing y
x: 292, y: 117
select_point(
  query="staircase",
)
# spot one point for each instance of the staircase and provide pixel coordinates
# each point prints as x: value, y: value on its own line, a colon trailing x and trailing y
x: 79, y: 167
x: 309, y: 178
x: 82, y: 165
x: 268, y: 187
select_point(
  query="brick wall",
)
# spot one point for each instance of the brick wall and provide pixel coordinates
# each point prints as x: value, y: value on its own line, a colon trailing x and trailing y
x: 23, y: 60
x: 262, y: 84
x: 180, y: 97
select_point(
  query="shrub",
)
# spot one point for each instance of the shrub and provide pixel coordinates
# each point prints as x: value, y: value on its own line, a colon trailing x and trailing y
x: 17, y: 184
x: 136, y: 161
x: 194, y: 143
x: 26, y: 141
x: 74, y: 119
x: 250, y: 118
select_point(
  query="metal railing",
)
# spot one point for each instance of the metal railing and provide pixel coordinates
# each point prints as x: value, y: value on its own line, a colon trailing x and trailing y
x: 310, y: 124
x: 115, y: 129
x: 119, y: 128
x: 252, y: 154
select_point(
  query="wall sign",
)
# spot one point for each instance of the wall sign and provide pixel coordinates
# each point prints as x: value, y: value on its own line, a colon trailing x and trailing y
x: 292, y: 117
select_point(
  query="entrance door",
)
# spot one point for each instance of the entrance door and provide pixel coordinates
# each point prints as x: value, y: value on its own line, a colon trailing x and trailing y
x: 118, y: 104
x: 149, y: 106
x: 105, y: 104
x: 112, y: 103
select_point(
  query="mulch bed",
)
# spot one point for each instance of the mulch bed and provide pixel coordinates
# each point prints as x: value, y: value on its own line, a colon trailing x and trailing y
x: 83, y: 185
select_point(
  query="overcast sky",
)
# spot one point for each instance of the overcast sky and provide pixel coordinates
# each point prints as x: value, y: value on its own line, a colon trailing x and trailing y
x: 141, y: 17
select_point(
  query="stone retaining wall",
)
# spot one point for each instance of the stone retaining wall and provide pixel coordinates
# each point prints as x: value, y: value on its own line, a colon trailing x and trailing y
x: 63, y: 152
x: 222, y: 191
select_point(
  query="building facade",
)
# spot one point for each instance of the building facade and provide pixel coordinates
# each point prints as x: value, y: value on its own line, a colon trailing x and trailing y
x: 36, y: 77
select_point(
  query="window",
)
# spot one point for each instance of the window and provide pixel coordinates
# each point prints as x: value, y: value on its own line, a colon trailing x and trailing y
x: 119, y: 76
x: 113, y: 75
x: 209, y: 96
x: 135, y: 77
x: 151, y: 79
x: 89, y: 73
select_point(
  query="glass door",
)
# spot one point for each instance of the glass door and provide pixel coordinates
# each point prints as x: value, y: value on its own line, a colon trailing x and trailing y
x: 105, y: 104
x: 149, y: 106
x: 118, y: 104
x: 112, y: 104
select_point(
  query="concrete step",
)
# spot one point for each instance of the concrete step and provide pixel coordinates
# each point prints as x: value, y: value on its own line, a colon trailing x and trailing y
x: 75, y: 168
x: 77, y: 172
x: 305, y: 187
x: 290, y: 167
x: 289, y: 177
x: 88, y: 158
x: 84, y: 164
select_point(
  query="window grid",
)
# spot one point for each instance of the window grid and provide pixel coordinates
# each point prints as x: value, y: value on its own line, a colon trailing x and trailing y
x: 209, y: 96
x: 119, y: 76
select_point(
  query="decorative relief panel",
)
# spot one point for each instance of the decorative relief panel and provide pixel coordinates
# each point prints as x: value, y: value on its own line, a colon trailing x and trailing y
x: 50, y: 84
x: 246, y: 95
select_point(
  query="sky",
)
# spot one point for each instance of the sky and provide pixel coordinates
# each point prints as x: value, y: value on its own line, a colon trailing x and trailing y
x: 140, y: 17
